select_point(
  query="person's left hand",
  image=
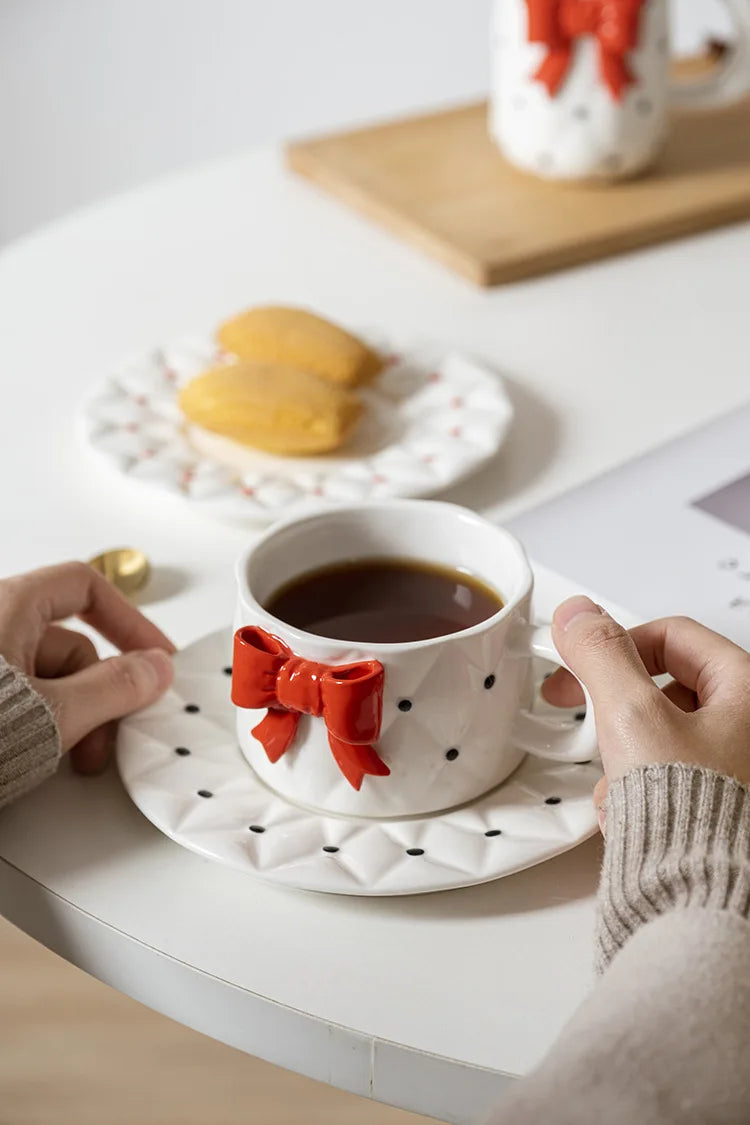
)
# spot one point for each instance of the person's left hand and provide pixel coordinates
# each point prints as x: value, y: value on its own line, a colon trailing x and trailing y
x: 84, y: 693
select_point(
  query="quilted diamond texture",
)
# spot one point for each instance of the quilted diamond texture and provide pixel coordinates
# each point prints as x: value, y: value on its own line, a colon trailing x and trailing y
x: 207, y: 799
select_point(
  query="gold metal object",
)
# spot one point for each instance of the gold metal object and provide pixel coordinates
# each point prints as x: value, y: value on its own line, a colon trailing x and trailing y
x: 126, y: 568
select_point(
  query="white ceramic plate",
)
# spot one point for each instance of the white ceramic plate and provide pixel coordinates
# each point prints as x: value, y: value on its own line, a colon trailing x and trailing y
x: 182, y: 766
x: 430, y: 421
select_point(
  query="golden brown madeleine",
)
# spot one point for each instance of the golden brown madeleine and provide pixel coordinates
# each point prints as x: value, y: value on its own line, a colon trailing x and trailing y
x: 301, y: 339
x: 271, y: 406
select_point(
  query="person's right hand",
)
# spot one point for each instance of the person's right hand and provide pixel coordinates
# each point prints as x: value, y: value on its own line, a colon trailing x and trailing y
x: 701, y: 717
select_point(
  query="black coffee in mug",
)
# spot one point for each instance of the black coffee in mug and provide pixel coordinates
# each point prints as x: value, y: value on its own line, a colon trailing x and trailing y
x: 384, y: 601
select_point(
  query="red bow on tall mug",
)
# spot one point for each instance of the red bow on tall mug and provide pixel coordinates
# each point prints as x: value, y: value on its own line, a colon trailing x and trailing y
x: 558, y: 23
x: 349, y: 698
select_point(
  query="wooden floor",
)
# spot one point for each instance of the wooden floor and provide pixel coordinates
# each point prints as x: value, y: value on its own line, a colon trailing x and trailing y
x: 74, y: 1052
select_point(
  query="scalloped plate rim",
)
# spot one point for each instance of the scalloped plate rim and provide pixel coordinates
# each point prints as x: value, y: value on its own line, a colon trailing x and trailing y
x: 228, y: 505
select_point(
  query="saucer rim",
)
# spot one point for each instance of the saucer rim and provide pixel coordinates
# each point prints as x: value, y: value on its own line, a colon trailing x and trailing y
x: 296, y: 876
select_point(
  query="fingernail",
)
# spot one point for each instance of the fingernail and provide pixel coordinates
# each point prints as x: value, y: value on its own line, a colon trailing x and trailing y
x: 577, y: 606
x: 162, y: 666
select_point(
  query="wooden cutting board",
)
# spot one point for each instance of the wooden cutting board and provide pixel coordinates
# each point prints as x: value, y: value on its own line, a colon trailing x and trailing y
x: 438, y: 182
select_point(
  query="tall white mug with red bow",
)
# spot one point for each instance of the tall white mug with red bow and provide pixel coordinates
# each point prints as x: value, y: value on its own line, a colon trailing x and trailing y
x: 581, y: 88
x: 389, y: 730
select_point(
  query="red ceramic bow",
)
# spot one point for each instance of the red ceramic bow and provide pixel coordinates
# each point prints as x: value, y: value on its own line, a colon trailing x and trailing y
x: 266, y: 673
x: 558, y: 23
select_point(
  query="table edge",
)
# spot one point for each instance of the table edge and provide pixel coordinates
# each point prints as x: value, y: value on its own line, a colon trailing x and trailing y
x: 382, y: 1070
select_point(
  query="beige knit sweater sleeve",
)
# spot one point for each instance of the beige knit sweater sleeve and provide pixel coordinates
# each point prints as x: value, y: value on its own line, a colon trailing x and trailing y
x: 29, y: 739
x: 664, y: 1037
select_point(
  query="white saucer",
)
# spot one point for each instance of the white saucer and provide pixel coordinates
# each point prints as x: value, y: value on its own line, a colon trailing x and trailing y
x: 181, y: 764
x: 430, y: 421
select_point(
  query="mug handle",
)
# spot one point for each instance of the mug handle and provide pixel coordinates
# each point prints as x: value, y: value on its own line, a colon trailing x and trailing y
x: 546, y: 737
x: 729, y: 79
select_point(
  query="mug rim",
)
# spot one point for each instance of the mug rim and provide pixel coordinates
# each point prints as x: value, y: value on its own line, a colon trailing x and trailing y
x: 248, y: 599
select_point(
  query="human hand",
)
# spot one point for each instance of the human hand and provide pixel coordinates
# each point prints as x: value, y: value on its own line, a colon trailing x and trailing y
x: 84, y: 693
x: 701, y: 717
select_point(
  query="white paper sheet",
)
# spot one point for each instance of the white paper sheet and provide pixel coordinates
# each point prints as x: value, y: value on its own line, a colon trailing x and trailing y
x: 666, y: 533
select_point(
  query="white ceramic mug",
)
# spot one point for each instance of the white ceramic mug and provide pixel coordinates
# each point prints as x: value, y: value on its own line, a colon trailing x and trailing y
x: 441, y: 721
x: 581, y: 90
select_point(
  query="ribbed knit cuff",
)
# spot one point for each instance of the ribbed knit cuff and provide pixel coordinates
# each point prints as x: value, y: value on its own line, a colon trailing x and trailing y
x: 29, y: 738
x: 677, y: 837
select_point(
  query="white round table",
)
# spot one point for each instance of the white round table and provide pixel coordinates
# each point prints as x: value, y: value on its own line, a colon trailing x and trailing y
x: 432, y: 1002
